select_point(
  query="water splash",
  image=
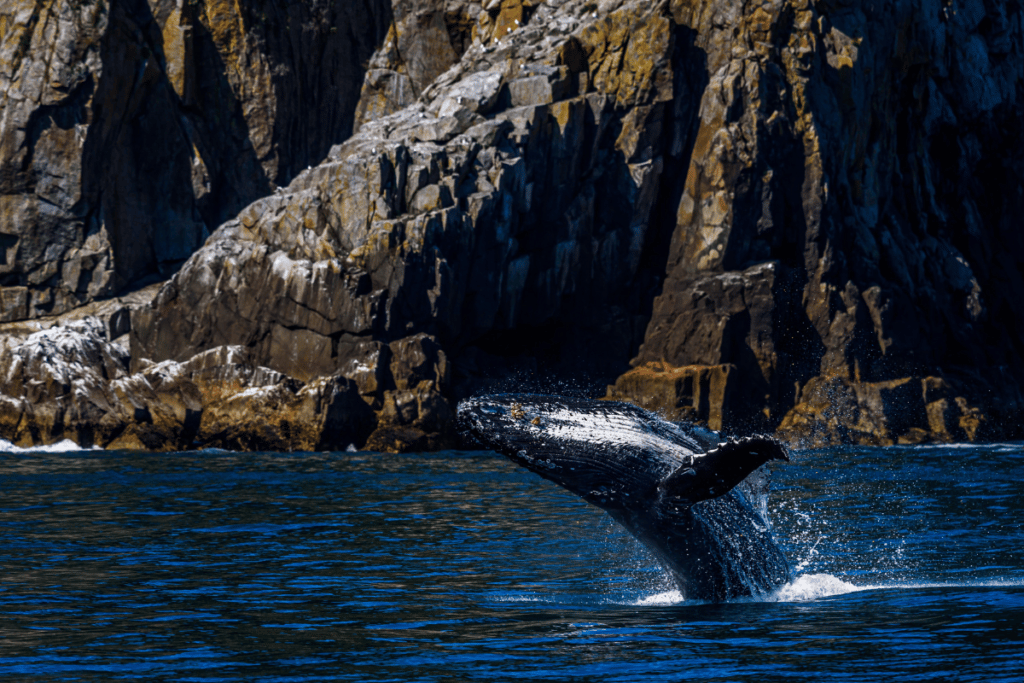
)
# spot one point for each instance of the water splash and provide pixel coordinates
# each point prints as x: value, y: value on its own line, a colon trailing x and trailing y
x: 672, y: 597
x: 806, y: 527
x: 810, y: 587
x: 63, y: 446
x: 755, y: 488
x: 805, y: 588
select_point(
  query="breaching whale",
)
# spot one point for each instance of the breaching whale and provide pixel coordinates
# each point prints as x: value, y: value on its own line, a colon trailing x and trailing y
x: 672, y: 486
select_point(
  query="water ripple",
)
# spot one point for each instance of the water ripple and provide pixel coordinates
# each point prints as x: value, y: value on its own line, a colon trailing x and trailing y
x: 908, y: 566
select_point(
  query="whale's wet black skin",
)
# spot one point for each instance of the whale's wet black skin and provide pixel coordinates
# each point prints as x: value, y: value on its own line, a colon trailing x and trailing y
x: 670, y: 485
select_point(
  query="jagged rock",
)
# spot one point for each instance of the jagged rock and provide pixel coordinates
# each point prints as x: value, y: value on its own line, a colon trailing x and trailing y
x: 502, y: 202
x: 696, y: 393
x: 836, y: 410
x: 822, y: 200
x: 723, y: 319
x: 326, y: 414
x: 165, y: 411
x: 849, y: 152
x: 71, y: 382
x: 425, y: 40
x: 594, y: 149
x: 129, y: 130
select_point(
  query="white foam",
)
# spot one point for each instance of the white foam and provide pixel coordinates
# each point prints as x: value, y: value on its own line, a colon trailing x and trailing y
x: 519, y: 597
x: 810, y: 587
x: 980, y: 583
x: 1004, y: 447
x: 801, y: 589
x: 672, y: 597
x: 63, y: 446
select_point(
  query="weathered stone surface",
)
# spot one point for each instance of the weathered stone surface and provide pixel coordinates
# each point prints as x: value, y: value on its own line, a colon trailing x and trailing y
x: 809, y: 207
x: 726, y: 318
x: 420, y: 46
x: 70, y: 382
x: 510, y: 204
x: 696, y: 393
x: 863, y: 157
x: 326, y: 414
x: 837, y: 410
x: 129, y: 130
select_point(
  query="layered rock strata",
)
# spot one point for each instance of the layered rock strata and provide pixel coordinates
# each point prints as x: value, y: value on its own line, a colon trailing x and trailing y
x: 129, y: 130
x: 72, y: 382
x: 847, y: 239
x: 789, y: 215
x: 509, y: 212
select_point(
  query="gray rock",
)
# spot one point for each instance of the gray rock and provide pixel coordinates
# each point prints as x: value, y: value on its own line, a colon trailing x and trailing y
x: 70, y: 382
x: 806, y: 212
x: 130, y: 130
x: 453, y: 226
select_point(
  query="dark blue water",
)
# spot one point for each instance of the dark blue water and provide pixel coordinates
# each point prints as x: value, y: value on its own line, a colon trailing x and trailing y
x: 461, y: 566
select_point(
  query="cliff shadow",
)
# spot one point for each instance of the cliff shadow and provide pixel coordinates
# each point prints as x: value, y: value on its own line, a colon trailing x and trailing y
x: 167, y: 163
x: 161, y: 175
x: 583, y: 339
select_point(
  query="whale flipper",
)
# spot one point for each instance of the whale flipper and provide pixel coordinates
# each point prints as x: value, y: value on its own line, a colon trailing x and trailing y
x: 719, y: 470
x: 670, y: 485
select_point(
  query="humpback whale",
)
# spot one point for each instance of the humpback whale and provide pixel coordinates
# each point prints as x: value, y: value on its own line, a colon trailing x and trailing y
x: 672, y: 486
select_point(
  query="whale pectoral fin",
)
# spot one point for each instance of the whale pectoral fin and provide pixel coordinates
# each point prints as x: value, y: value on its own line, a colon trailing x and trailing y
x: 716, y: 472
x: 680, y: 484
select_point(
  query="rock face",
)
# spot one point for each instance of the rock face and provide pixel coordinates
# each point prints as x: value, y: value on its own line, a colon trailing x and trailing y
x: 72, y: 382
x: 507, y: 214
x: 131, y: 129
x: 847, y: 234
x: 795, y: 216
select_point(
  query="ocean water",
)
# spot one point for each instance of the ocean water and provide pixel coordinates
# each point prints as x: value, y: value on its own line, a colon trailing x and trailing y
x: 908, y: 565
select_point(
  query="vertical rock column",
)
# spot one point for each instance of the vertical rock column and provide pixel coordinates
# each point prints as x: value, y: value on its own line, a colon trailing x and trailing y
x: 835, y: 241
x: 130, y: 129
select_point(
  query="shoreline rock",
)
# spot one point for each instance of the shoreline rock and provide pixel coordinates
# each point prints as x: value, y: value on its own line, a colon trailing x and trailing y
x: 71, y: 382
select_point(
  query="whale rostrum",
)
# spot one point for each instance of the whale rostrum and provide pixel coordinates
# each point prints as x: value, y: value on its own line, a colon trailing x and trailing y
x: 672, y: 486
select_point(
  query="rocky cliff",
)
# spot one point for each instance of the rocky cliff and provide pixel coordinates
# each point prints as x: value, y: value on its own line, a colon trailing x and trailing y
x: 788, y: 215
x: 131, y: 129
x: 847, y: 238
